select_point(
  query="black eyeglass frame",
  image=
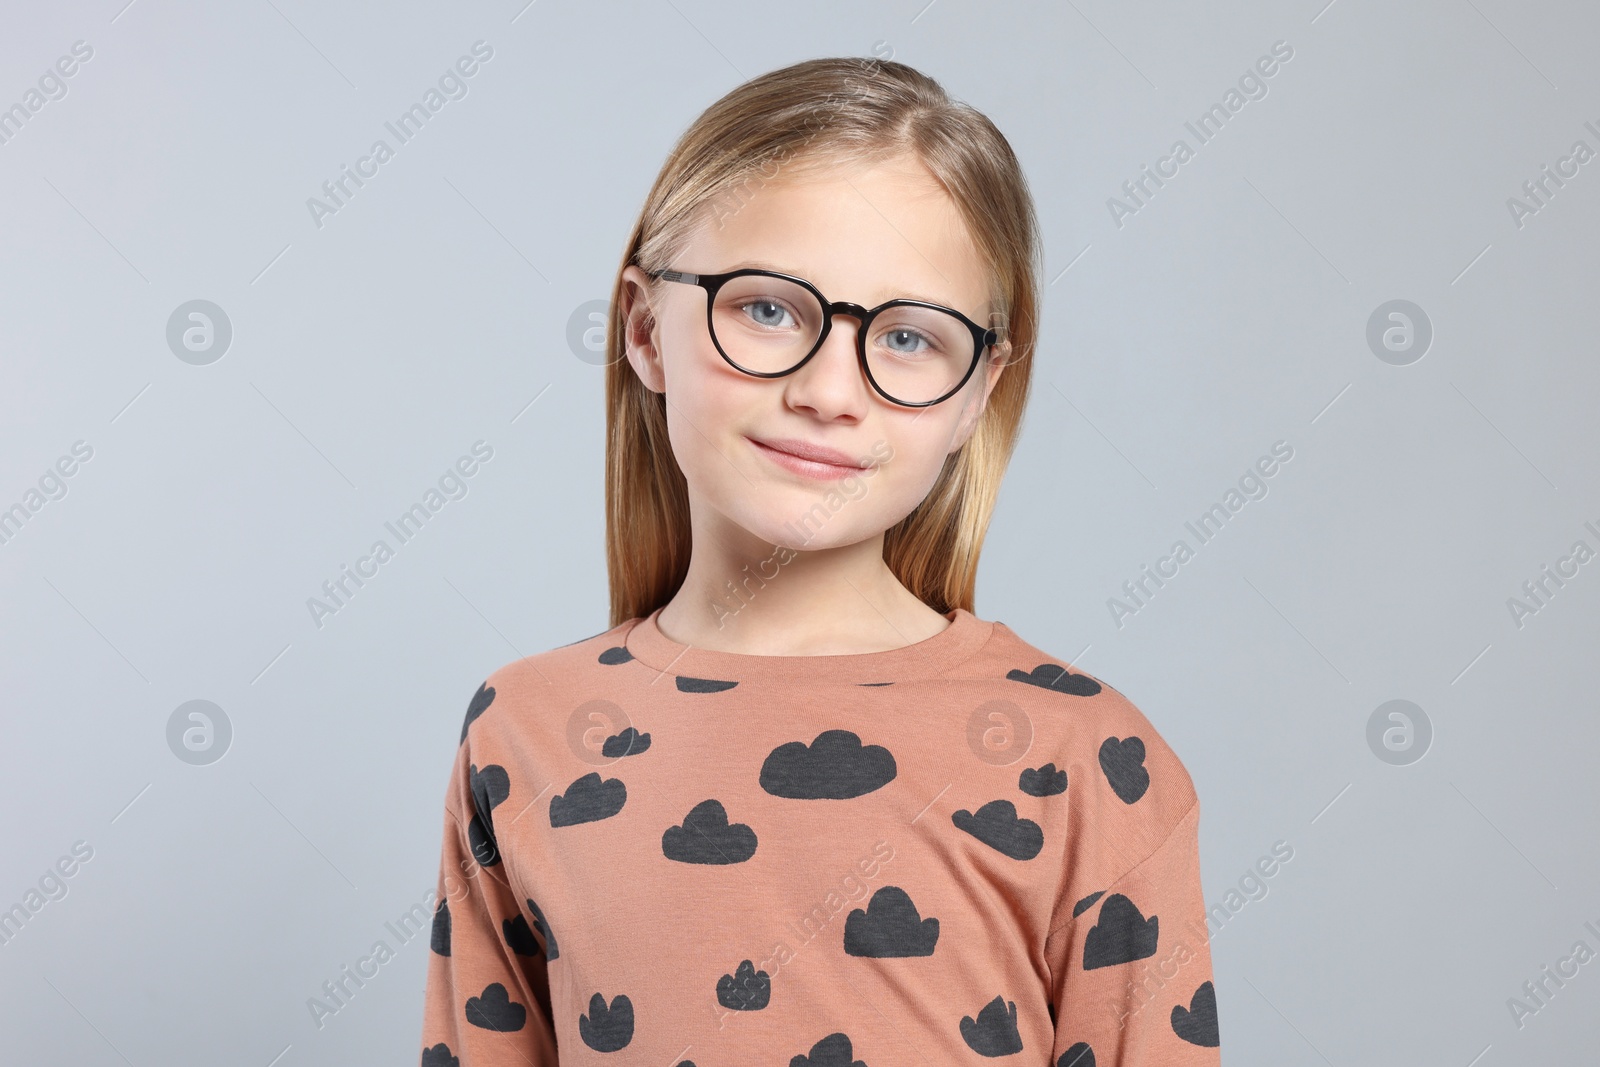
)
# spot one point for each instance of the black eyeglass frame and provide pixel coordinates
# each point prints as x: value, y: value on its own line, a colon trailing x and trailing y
x: 983, y: 338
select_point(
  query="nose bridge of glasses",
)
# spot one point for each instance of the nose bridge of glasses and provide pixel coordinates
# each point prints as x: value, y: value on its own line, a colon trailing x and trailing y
x: 850, y: 309
x: 848, y: 339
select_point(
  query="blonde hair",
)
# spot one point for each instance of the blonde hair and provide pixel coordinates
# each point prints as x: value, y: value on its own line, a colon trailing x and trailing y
x: 814, y: 114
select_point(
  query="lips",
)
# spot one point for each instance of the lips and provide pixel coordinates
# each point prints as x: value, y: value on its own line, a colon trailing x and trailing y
x: 807, y: 450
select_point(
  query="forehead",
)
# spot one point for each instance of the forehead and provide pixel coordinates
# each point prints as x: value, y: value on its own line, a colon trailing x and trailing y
x: 863, y: 232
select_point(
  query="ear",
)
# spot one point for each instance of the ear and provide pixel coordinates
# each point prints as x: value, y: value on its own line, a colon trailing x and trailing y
x: 996, y: 361
x: 640, y: 330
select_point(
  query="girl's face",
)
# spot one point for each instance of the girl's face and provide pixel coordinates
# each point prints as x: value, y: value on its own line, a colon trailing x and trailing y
x: 865, y: 235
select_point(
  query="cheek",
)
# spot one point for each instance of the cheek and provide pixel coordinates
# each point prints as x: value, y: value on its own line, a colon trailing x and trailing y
x: 704, y: 399
x: 691, y: 410
x: 899, y: 486
x: 916, y: 455
x: 914, y: 468
x: 688, y: 358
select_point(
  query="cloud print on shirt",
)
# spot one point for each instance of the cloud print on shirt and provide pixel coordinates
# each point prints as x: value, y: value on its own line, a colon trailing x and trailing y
x: 489, y: 787
x: 493, y: 1009
x: 832, y: 1051
x: 702, y: 685
x: 835, y: 766
x: 705, y: 836
x: 439, y: 1056
x: 607, y: 1029
x: 994, y: 1032
x: 1122, y: 935
x: 747, y: 989
x: 889, y: 926
x: 1054, y: 676
x: 1122, y: 760
x: 1079, y: 1055
x: 519, y: 937
x: 998, y: 825
x: 551, y: 949
x: 1043, y: 781
x: 439, y: 940
x: 480, y: 704
x: 588, y: 799
x: 1197, y: 1024
x: 629, y: 742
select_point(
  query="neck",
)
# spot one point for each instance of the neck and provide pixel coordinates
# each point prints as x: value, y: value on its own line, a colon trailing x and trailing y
x: 748, y: 596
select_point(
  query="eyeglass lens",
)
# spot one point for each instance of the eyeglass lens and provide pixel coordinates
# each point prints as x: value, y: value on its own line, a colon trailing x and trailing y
x: 768, y: 325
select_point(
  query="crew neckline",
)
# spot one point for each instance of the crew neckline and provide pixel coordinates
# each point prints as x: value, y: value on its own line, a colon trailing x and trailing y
x: 927, y: 658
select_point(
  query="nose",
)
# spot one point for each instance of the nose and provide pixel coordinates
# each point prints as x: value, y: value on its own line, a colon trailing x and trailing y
x: 832, y: 382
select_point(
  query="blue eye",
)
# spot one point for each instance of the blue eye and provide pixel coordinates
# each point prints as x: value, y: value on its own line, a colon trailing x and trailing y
x: 768, y: 311
x: 896, y: 335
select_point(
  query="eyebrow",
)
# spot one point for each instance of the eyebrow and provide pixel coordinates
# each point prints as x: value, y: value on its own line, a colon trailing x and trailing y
x: 762, y: 264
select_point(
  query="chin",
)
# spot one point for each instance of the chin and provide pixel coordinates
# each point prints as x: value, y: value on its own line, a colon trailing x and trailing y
x: 834, y: 532
x: 782, y: 525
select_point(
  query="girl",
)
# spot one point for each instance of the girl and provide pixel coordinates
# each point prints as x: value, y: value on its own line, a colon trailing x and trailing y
x: 799, y: 805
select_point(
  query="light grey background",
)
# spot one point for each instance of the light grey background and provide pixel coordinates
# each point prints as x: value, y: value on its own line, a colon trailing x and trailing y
x: 434, y: 310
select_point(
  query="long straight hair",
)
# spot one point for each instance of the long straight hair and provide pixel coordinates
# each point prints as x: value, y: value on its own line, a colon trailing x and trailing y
x: 808, y: 116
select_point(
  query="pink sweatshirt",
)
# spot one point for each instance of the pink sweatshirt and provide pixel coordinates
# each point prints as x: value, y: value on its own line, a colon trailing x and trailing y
x: 956, y: 852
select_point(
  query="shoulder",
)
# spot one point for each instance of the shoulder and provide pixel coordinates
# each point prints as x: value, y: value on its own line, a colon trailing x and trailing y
x: 1082, y: 719
x: 532, y: 681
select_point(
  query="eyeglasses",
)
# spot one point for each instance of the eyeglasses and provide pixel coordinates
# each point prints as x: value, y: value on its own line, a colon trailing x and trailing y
x: 767, y: 325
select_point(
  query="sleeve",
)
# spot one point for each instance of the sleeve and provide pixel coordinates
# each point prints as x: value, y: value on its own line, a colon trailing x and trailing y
x: 1130, y: 969
x: 487, y: 1002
